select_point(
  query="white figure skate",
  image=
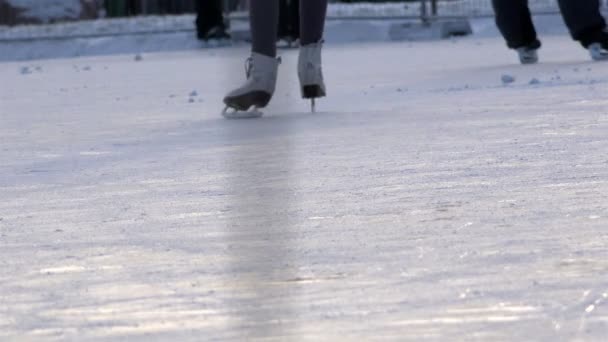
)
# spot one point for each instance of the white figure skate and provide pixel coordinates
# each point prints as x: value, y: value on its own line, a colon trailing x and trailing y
x: 257, y: 91
x: 310, y: 73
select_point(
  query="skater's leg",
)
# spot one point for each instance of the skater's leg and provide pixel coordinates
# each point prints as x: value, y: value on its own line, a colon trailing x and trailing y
x: 312, y: 20
x: 312, y: 24
x: 584, y: 20
x: 514, y: 21
x: 264, y: 16
x: 262, y: 66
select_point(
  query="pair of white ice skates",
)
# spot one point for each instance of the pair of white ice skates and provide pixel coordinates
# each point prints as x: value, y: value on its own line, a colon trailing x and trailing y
x: 245, y: 101
x: 530, y: 55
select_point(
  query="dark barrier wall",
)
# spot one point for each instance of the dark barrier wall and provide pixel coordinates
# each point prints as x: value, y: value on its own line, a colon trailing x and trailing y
x: 9, y: 15
x: 12, y: 15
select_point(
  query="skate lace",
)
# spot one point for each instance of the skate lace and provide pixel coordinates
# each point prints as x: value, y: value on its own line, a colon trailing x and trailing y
x: 248, y: 66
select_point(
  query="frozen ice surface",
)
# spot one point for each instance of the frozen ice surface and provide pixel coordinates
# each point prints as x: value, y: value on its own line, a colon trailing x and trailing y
x: 456, y: 210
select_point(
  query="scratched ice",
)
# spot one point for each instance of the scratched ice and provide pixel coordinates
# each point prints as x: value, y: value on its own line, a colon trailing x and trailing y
x: 459, y: 209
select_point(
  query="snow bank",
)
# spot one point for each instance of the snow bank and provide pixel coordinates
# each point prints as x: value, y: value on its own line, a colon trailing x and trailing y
x: 48, y: 10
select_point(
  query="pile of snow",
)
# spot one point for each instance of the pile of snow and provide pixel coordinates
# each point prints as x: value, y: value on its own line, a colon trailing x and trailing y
x: 101, y: 27
x: 48, y: 10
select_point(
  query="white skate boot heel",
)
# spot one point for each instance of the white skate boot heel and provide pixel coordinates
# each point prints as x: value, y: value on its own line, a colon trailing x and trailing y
x: 310, y: 73
x: 527, y: 55
x: 598, y: 52
x: 256, y: 92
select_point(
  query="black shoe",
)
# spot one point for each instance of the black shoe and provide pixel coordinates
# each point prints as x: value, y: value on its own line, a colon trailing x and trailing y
x: 598, y: 51
x: 213, y: 33
x: 528, y: 54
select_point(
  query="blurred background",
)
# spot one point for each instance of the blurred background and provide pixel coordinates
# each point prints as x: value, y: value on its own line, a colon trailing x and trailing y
x: 33, y: 29
x: 15, y: 12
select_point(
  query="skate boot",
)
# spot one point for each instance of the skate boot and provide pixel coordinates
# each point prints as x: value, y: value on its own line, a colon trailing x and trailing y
x: 310, y: 73
x: 527, y: 55
x: 598, y: 51
x: 257, y: 91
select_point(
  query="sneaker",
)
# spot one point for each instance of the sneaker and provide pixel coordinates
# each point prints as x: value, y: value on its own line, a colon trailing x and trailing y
x: 598, y: 51
x: 527, y: 55
x: 214, y: 33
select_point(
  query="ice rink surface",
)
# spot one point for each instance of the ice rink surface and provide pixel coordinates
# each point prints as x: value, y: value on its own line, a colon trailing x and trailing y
x: 426, y: 200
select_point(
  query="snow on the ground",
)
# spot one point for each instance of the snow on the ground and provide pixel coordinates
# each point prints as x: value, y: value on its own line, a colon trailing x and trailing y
x: 426, y: 201
x: 48, y: 10
x: 101, y: 27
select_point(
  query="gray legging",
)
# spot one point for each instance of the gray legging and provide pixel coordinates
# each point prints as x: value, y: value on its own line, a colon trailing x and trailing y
x: 264, y: 17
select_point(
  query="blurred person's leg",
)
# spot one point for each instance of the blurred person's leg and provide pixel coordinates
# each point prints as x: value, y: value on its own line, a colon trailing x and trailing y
x: 514, y: 21
x: 210, y: 20
x: 284, y: 18
x: 584, y: 20
x: 289, y: 20
x: 294, y: 19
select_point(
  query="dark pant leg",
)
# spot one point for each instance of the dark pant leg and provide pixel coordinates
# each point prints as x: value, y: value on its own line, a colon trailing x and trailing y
x: 514, y: 21
x: 208, y: 15
x: 289, y: 19
x: 312, y: 20
x: 263, y: 18
x: 584, y: 20
x: 294, y: 19
x: 264, y: 22
x: 283, y: 28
